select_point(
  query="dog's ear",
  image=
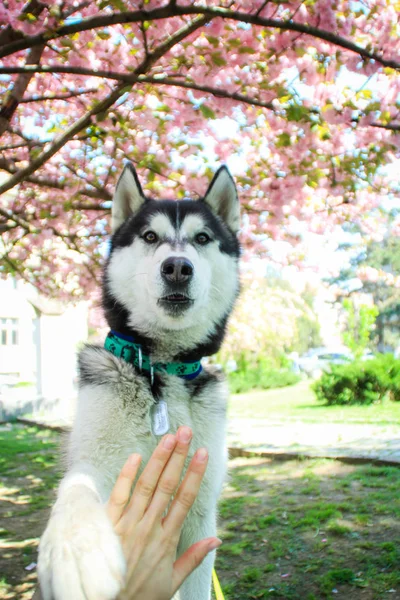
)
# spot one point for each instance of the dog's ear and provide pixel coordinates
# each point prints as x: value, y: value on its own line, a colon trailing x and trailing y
x: 223, y: 200
x: 128, y: 197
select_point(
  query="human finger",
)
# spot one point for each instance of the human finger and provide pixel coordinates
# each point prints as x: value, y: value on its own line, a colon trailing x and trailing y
x: 122, y: 489
x: 171, y: 475
x: 187, y: 492
x: 191, y: 559
x: 147, y: 482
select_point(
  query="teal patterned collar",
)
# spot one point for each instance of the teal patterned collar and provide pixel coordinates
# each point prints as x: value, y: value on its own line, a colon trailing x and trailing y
x: 124, y: 347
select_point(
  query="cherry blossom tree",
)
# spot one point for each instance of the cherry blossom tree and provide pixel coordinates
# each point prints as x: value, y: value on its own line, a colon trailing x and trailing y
x: 300, y: 96
x: 267, y: 322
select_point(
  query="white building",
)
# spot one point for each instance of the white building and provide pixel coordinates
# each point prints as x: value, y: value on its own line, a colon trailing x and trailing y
x: 39, y: 339
x: 17, y: 348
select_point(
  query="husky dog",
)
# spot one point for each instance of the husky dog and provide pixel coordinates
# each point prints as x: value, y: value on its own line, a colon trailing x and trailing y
x: 170, y: 283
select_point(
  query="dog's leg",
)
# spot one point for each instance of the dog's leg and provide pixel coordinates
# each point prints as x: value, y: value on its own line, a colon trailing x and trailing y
x: 198, y: 585
x: 80, y: 556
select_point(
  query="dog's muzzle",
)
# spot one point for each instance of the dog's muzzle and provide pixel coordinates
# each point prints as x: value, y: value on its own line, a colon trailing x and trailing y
x: 177, y: 273
x: 177, y: 270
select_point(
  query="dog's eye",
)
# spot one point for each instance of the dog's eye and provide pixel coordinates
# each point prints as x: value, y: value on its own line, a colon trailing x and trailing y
x: 150, y: 237
x: 202, y: 238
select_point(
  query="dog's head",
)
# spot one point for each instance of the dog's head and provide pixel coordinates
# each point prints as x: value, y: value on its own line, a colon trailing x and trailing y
x: 173, y: 265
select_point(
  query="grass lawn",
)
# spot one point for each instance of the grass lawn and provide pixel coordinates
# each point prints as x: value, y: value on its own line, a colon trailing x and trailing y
x: 298, y: 403
x: 28, y: 477
x: 301, y: 530
x: 307, y: 530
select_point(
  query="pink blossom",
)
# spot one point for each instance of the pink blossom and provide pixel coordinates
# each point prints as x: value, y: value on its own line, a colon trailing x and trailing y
x: 314, y: 153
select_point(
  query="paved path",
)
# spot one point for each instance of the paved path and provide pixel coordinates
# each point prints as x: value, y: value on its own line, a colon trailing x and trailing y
x: 317, y: 439
x: 311, y: 439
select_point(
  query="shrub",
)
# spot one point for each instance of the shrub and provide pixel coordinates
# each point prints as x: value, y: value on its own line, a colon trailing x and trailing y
x: 361, y: 382
x: 259, y: 375
x: 391, y: 376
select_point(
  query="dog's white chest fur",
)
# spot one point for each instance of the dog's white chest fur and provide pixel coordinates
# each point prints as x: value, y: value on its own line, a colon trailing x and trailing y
x: 113, y: 421
x: 113, y: 418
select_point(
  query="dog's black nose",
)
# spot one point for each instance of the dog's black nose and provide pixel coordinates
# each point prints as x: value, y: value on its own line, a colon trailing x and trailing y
x: 177, y: 269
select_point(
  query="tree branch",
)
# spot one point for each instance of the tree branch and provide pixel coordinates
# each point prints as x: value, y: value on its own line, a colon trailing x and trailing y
x: 16, y: 269
x: 8, y: 34
x: 15, y: 94
x: 23, y: 136
x: 20, y: 145
x: 57, y: 96
x: 172, y: 10
x: 145, y: 44
x: 134, y: 78
x: 101, y: 194
x: 263, y: 5
x: 87, y: 206
x: 101, y: 106
x: 9, y: 216
x: 74, y: 236
x: 390, y: 126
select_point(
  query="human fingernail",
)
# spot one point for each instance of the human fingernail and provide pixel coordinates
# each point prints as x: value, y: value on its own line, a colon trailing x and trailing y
x: 201, y: 454
x: 169, y: 442
x: 214, y: 544
x: 185, y: 434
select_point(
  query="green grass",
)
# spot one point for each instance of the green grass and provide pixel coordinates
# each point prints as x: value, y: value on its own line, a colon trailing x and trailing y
x: 28, y: 476
x: 298, y: 403
x: 290, y: 544
x: 25, y: 441
x: 310, y: 529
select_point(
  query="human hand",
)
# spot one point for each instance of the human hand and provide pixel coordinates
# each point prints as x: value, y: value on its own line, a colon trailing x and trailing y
x: 150, y: 539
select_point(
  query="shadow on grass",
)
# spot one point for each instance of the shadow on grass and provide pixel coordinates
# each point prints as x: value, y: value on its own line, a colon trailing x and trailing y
x: 300, y: 529
x: 309, y: 529
x: 28, y: 476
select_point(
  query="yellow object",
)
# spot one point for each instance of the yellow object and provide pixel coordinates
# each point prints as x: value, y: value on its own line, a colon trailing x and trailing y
x: 217, y: 587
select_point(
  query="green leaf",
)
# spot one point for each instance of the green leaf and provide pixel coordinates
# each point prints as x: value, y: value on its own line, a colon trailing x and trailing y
x: 235, y: 43
x: 118, y: 4
x: 364, y: 94
x: 55, y: 11
x: 125, y: 89
x: 31, y: 18
x: 281, y: 92
x: 66, y: 42
x: 217, y: 59
x: 313, y: 177
x: 207, y: 112
x: 247, y: 50
x: 283, y: 140
x: 213, y: 40
x: 323, y: 132
x: 103, y: 35
x: 101, y: 116
x: 373, y: 106
x: 294, y: 112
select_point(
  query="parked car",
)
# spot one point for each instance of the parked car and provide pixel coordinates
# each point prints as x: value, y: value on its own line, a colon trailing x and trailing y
x: 317, y: 360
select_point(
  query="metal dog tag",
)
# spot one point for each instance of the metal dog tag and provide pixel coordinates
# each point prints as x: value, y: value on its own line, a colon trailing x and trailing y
x: 159, y: 418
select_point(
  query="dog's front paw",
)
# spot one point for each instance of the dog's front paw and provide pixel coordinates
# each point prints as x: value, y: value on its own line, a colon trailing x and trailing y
x: 80, y: 557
